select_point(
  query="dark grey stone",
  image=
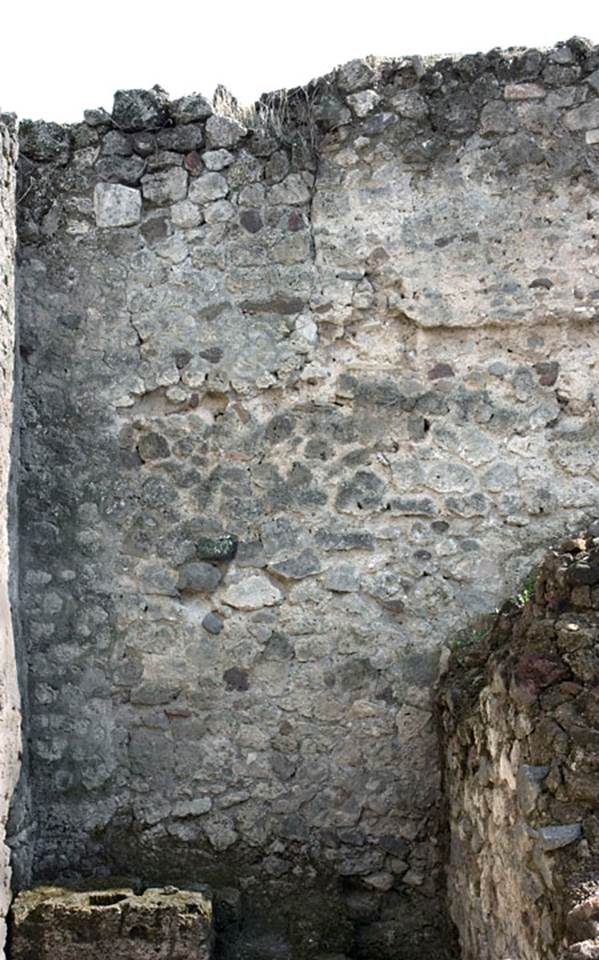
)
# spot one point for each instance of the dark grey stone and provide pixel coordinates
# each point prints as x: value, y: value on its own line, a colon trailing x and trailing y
x: 140, y: 109
x: 199, y: 577
x: 216, y: 548
x: 212, y: 623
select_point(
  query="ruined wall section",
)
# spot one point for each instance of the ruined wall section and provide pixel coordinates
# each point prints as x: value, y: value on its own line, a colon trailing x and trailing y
x: 10, y: 732
x: 304, y: 390
x: 520, y: 716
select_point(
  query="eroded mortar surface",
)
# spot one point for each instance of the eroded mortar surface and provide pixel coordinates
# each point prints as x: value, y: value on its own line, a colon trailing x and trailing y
x: 304, y: 391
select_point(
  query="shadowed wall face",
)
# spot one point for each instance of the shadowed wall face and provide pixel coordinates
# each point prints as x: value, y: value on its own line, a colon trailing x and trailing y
x: 10, y: 733
x: 303, y: 393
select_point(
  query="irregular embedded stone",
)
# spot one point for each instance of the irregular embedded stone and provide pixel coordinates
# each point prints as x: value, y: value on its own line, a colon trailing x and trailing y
x: 191, y: 108
x: 410, y: 104
x: 236, y: 678
x: 380, y: 881
x: 364, y: 102
x: 278, y: 647
x: 216, y: 548
x: 364, y: 492
x: 441, y: 370
x: 117, y: 143
x: 354, y: 75
x: 520, y: 149
x: 497, y: 118
x: 116, y: 205
x: 342, y: 579
x: 124, y: 170
x: 217, y: 159
x: 548, y: 372
x: 51, y: 923
x: 560, y: 835
x: 252, y: 593
x: 330, y: 112
x: 220, y: 211
x: 584, y: 572
x: 166, y: 186
x: 336, y: 539
x: 96, y: 118
x: 140, y: 109
x: 182, y: 139
x: 144, y: 143
x: 292, y: 190
x: 224, y: 132
x: 153, y: 446
x: 208, y: 187
x: 184, y: 213
x: 212, y: 623
x: 583, y: 950
x: 199, y: 577
x: 524, y: 91
x: 306, y: 564
x: 44, y: 141
x: 592, y: 137
x: 287, y: 306
x: 251, y: 221
x: 529, y: 780
x: 413, y: 506
x: 585, y: 117
x: 583, y: 919
x: 192, y: 808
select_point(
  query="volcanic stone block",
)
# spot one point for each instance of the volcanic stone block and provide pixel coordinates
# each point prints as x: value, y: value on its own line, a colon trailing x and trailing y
x: 53, y: 923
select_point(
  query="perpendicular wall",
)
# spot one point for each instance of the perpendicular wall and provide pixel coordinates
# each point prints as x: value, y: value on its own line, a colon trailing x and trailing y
x: 304, y: 390
x: 10, y: 717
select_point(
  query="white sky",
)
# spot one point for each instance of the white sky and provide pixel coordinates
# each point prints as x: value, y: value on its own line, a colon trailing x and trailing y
x: 58, y: 57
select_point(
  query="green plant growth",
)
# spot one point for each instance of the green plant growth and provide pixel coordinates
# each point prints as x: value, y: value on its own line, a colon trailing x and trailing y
x: 470, y: 638
x: 527, y: 588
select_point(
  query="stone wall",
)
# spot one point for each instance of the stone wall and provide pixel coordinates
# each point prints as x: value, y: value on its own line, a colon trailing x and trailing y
x: 10, y: 733
x: 520, y: 717
x: 305, y: 388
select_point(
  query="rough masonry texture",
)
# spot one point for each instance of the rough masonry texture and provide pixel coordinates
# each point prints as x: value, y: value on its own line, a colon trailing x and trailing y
x: 10, y: 733
x: 520, y: 712
x: 305, y: 389
x: 50, y: 923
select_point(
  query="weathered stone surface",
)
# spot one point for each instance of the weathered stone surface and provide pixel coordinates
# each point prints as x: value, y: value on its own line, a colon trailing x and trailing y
x: 585, y: 117
x: 166, y: 186
x: 10, y: 706
x: 210, y: 186
x: 521, y: 774
x: 252, y: 593
x: 116, y: 205
x: 191, y: 108
x: 52, y: 923
x: 202, y: 577
x: 370, y: 343
x: 224, y: 132
x: 44, y: 141
x: 139, y: 109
